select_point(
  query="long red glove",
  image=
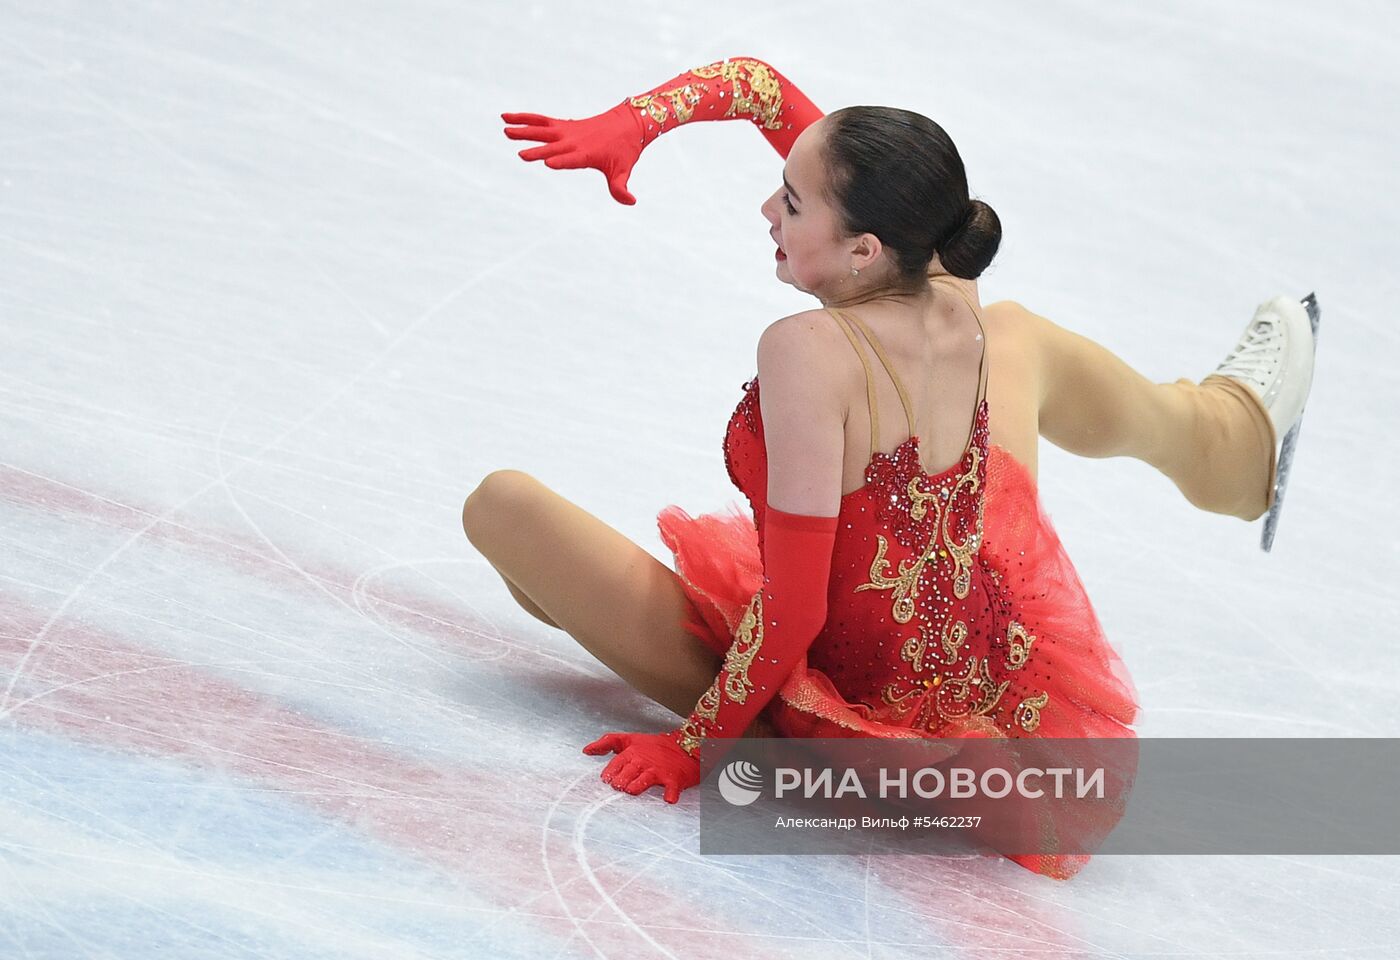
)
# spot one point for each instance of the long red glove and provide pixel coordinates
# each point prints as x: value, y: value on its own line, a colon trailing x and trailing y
x: 783, y: 618
x: 737, y: 88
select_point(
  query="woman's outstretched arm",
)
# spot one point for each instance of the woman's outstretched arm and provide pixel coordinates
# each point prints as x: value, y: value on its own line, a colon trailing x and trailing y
x: 736, y: 88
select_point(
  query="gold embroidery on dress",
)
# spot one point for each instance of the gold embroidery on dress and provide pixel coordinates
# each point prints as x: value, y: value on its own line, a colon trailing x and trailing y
x: 913, y: 650
x: 963, y: 553
x: 919, y: 501
x: 954, y: 634
x: 906, y: 585
x: 972, y: 693
x: 1018, y: 643
x: 888, y: 695
x: 1028, y: 712
x: 955, y: 699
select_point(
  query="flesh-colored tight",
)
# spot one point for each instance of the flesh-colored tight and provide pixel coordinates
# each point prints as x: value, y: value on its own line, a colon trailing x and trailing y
x: 1212, y: 438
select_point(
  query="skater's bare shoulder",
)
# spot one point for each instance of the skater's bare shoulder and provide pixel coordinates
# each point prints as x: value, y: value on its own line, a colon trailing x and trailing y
x: 812, y: 340
x: 1011, y: 316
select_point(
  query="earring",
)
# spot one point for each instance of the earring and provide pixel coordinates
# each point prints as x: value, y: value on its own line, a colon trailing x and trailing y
x: 855, y: 272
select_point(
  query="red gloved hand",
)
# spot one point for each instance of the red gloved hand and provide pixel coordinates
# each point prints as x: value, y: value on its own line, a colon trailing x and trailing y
x: 736, y: 88
x: 644, y: 760
x: 610, y: 142
x: 782, y: 620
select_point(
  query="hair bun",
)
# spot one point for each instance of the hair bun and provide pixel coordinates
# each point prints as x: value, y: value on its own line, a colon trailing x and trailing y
x: 973, y: 243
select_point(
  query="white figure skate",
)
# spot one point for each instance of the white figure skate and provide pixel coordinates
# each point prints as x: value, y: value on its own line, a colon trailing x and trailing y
x: 1274, y: 357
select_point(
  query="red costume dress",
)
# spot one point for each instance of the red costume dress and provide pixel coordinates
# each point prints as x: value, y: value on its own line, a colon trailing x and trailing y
x: 953, y: 609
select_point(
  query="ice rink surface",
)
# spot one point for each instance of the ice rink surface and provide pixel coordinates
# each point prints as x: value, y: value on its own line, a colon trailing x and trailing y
x: 276, y: 293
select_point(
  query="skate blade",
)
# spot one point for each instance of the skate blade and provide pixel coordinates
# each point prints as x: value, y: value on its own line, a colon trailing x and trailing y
x: 1290, y: 441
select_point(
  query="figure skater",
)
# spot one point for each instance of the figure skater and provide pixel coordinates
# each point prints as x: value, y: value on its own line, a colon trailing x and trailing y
x: 898, y: 577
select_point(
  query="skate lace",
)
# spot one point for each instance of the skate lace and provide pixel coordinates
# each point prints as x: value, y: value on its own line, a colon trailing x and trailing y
x: 1253, y: 356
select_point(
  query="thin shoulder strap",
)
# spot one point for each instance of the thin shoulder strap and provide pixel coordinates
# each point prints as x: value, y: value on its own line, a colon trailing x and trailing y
x: 869, y: 384
x: 977, y: 315
x: 898, y: 384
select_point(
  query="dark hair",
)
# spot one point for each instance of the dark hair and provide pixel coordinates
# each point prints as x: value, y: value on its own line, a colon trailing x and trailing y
x: 895, y: 173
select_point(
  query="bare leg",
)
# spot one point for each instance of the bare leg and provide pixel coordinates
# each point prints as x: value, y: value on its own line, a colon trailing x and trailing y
x: 1213, y: 439
x: 571, y: 570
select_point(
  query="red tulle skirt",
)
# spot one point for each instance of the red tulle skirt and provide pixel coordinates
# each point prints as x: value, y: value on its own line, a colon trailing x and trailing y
x: 718, y: 564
